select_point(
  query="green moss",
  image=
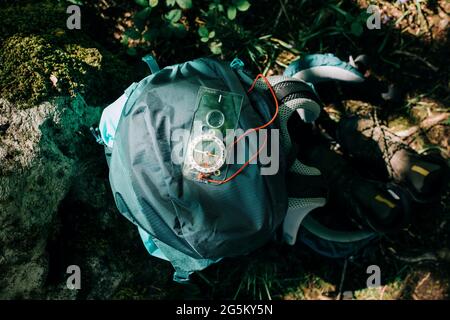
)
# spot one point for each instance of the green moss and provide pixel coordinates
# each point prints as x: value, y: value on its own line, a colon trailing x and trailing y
x: 130, y: 294
x: 39, y: 59
x: 30, y: 63
x: 36, y: 17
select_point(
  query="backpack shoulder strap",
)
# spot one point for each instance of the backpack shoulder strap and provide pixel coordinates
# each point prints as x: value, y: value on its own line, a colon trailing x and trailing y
x: 316, y: 68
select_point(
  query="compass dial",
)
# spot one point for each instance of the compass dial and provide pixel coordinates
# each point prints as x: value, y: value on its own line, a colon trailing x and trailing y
x: 206, y: 153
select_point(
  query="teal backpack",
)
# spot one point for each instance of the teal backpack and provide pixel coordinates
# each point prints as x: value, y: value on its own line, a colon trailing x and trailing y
x: 191, y: 206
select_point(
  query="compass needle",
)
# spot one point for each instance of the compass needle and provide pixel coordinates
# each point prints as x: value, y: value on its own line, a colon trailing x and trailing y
x: 207, y: 153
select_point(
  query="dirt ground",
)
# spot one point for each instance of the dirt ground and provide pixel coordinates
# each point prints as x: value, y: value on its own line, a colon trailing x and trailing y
x: 415, y: 262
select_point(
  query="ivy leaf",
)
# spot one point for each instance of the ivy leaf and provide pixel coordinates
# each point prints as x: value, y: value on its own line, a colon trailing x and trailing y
x: 231, y: 12
x: 203, y: 32
x: 143, y: 3
x: 173, y: 15
x: 153, y: 3
x: 184, y: 4
x: 170, y: 3
x: 242, y: 5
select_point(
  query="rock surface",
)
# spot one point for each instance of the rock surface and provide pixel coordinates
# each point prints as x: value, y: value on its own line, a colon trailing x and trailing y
x: 36, y: 174
x: 56, y: 207
x: 56, y: 210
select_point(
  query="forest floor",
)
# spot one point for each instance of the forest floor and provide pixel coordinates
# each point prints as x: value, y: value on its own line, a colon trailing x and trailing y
x: 411, y: 50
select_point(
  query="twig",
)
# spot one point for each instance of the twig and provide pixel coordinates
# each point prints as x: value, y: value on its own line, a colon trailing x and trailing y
x: 341, y: 284
x: 277, y: 19
x: 429, y: 256
x: 201, y: 276
x: 421, y: 282
x: 281, y: 64
x: 284, y: 45
x: 283, y: 7
x: 424, y: 125
x: 382, y: 292
x: 415, y: 56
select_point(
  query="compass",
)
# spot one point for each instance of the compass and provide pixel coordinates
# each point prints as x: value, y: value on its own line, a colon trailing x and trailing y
x: 206, y: 153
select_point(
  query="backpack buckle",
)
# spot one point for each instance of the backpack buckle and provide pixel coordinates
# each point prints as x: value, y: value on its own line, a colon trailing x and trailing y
x: 237, y: 64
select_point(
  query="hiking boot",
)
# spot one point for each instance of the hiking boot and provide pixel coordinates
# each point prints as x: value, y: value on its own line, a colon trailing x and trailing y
x: 380, y: 206
x: 375, y: 148
x: 383, y: 207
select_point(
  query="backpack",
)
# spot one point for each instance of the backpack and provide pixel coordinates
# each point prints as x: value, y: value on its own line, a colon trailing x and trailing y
x: 179, y: 215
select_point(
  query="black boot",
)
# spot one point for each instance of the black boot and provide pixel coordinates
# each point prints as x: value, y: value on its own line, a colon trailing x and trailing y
x: 380, y: 206
x: 375, y: 148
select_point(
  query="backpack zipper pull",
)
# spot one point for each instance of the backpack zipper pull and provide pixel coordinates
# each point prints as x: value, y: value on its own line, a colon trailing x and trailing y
x: 96, y: 133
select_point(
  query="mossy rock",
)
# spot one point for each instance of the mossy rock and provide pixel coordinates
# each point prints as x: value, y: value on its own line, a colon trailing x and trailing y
x: 39, y: 58
x: 31, y: 17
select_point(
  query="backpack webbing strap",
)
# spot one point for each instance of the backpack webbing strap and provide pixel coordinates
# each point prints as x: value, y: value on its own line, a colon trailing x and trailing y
x: 291, y: 89
x: 151, y: 62
x: 298, y: 210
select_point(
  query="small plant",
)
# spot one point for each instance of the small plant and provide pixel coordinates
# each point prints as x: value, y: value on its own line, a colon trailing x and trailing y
x: 258, y: 282
x: 158, y: 20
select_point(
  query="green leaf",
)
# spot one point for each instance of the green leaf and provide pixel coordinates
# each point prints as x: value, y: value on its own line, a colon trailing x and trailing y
x: 151, y: 34
x: 141, y: 17
x: 173, y: 15
x: 147, y: 36
x: 357, y: 28
x: 260, y: 50
x: 166, y: 32
x: 340, y: 11
x: 132, y: 51
x: 178, y: 29
x: 144, y: 13
x: 231, y: 12
x: 153, y: 3
x: 212, y: 34
x: 203, y: 32
x: 204, y: 39
x: 242, y: 5
x: 170, y: 3
x: 132, y: 34
x: 215, y: 47
x: 184, y: 4
x: 124, y: 40
x: 143, y: 3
